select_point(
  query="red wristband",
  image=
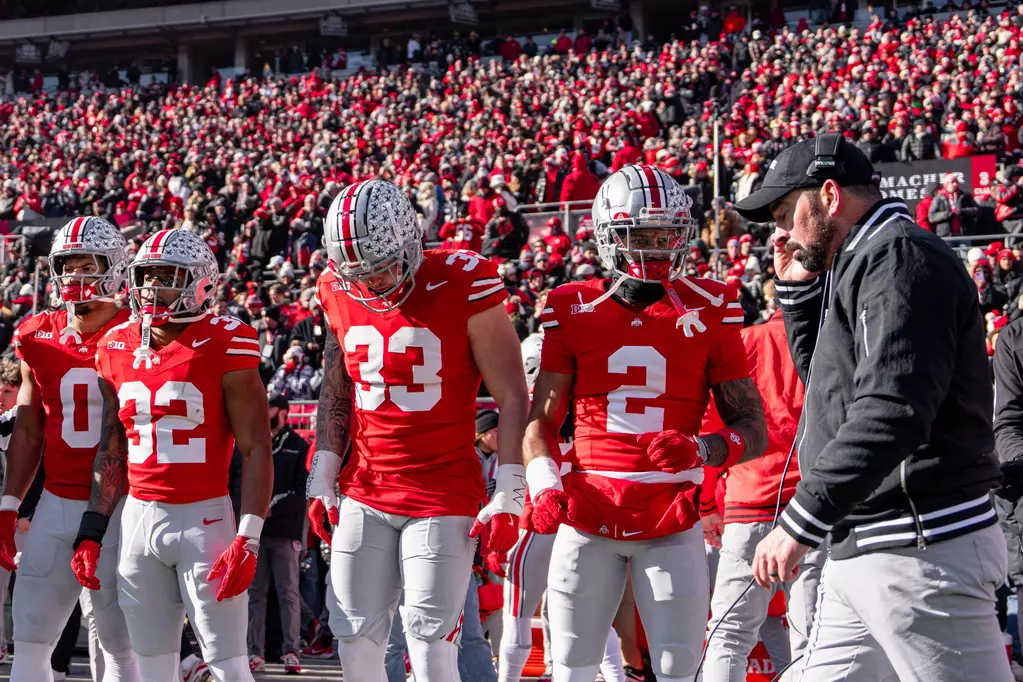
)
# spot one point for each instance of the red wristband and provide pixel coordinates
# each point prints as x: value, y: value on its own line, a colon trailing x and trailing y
x: 736, y: 446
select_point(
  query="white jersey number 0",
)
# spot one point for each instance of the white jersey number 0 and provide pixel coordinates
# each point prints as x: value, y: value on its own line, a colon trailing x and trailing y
x: 83, y: 381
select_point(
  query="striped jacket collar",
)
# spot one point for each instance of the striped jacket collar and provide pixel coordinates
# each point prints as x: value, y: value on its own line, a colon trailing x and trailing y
x: 874, y: 220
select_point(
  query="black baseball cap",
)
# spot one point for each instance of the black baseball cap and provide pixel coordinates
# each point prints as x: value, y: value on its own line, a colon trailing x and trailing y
x: 278, y: 400
x: 789, y: 172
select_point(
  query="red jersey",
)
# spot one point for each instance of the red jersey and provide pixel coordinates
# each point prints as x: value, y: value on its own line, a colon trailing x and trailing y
x: 415, y: 383
x: 636, y: 371
x: 180, y: 440
x: 751, y: 490
x: 66, y: 377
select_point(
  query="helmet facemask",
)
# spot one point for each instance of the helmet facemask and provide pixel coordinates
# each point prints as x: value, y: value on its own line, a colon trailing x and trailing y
x: 102, y: 284
x: 402, y: 267
x: 651, y: 249
x: 149, y: 301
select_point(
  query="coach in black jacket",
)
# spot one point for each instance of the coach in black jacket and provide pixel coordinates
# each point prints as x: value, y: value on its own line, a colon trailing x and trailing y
x: 896, y: 450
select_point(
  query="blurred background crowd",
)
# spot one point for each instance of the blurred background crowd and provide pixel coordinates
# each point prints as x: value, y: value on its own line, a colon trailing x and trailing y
x: 252, y: 163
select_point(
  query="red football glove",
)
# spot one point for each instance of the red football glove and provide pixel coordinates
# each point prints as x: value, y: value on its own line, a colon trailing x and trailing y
x: 498, y: 534
x: 237, y: 567
x: 8, y: 526
x: 84, y: 563
x: 500, y: 516
x: 672, y: 451
x: 316, y: 511
x: 550, y: 509
x: 495, y: 563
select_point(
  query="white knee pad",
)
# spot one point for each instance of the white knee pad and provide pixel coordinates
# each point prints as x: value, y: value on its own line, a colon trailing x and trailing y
x: 31, y: 662
x: 234, y: 669
x: 363, y: 659
x: 675, y: 662
x: 435, y: 661
x: 586, y: 673
x: 159, y: 668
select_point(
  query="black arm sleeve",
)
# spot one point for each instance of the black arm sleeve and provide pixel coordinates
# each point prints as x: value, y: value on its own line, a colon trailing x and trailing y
x: 802, y: 306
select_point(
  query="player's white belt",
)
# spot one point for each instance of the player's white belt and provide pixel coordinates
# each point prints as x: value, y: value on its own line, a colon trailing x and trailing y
x: 687, y: 476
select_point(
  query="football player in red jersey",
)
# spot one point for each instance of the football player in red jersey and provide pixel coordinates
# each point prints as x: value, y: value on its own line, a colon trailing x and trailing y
x: 178, y: 385
x: 638, y: 357
x: 526, y: 579
x: 410, y: 334
x: 58, y: 422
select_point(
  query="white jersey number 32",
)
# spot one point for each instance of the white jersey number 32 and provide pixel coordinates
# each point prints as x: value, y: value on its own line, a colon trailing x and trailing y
x: 157, y: 435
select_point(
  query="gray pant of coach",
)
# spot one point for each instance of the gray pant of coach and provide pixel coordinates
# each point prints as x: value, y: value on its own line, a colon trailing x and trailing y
x: 739, y: 618
x: 278, y: 556
x: 912, y: 615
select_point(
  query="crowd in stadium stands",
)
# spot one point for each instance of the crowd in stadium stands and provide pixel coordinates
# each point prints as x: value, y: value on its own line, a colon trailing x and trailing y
x: 252, y: 164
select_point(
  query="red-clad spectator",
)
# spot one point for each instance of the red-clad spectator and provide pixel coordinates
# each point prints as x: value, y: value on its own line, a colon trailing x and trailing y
x: 583, y: 43
x: 563, y: 43
x: 554, y: 237
x: 735, y: 21
x: 923, y: 208
x: 580, y: 184
x: 510, y: 49
x: 960, y: 144
x: 481, y: 207
x: 462, y: 233
x: 629, y: 153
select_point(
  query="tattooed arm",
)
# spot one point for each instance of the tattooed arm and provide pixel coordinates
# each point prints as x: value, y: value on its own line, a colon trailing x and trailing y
x: 334, y: 411
x: 110, y: 470
x: 738, y: 403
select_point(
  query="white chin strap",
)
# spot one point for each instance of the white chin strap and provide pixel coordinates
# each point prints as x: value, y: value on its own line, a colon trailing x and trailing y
x: 144, y: 353
x: 69, y: 332
x: 588, y: 307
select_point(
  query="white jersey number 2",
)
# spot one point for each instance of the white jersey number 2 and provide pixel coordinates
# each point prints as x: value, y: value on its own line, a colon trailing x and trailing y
x: 371, y: 391
x: 157, y: 435
x: 619, y: 420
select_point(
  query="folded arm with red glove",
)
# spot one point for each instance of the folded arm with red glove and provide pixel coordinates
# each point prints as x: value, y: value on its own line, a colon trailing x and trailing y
x: 673, y: 451
x: 551, y: 504
x: 497, y: 524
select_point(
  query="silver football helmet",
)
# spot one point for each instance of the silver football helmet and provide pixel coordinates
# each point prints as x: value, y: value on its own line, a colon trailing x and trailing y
x: 195, y: 277
x: 640, y: 197
x: 89, y: 236
x: 372, y: 229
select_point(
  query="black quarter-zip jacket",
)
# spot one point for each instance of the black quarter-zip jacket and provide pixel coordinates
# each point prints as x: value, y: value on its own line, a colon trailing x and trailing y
x: 895, y: 442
